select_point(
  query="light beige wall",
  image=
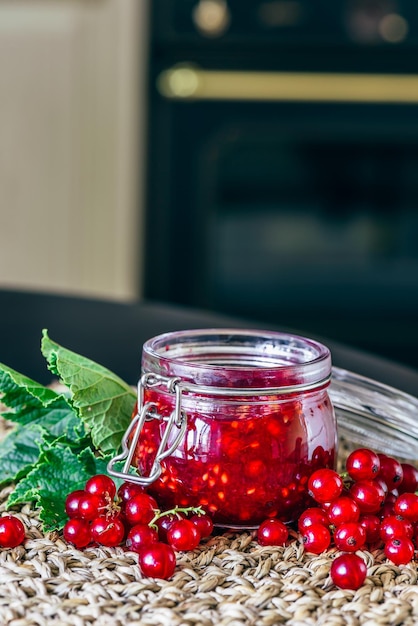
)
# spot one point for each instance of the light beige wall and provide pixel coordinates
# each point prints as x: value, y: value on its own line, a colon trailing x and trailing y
x: 71, y: 152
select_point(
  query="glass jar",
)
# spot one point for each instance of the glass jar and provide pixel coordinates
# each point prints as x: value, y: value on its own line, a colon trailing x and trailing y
x: 233, y: 421
x: 374, y: 415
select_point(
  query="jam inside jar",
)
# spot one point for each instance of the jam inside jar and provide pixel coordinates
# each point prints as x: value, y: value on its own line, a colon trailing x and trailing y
x: 256, y: 422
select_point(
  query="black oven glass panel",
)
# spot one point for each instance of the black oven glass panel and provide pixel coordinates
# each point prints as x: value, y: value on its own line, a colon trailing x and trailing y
x: 314, y: 227
x: 291, y: 22
x: 293, y: 208
x: 304, y: 214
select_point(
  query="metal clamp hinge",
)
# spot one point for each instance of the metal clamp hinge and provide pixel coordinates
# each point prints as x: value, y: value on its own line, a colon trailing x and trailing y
x: 146, y: 412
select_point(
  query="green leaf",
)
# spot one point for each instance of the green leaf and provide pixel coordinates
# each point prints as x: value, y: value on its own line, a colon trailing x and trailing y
x: 39, y: 413
x: 20, y: 392
x: 19, y: 451
x: 103, y: 401
x: 30, y: 403
x: 58, y: 472
x: 53, y: 448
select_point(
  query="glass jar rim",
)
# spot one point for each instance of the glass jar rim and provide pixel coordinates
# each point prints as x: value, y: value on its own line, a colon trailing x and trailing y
x: 231, y: 354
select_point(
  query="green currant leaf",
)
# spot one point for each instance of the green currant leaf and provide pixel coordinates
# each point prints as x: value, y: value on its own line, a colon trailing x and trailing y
x: 58, y: 472
x: 22, y: 395
x: 19, y: 451
x: 38, y: 412
x: 28, y: 402
x: 103, y: 401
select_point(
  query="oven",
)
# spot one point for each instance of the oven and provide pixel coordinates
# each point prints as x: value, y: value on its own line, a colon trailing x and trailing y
x: 282, y: 169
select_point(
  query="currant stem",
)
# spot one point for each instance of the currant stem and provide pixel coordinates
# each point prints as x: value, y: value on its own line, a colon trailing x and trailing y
x: 177, y: 509
x: 346, y: 478
x: 111, y: 508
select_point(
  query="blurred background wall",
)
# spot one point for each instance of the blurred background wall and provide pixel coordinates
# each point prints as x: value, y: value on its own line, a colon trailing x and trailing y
x: 257, y: 158
x: 71, y: 145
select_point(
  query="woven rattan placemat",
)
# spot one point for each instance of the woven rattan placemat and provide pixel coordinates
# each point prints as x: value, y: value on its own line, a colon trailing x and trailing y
x: 228, y: 581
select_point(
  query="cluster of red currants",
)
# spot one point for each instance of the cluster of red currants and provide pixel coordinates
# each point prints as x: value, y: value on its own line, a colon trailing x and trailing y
x: 129, y: 516
x: 12, y: 531
x: 373, y: 504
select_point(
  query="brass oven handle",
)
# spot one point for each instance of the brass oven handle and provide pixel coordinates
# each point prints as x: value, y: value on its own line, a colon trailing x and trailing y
x: 186, y: 82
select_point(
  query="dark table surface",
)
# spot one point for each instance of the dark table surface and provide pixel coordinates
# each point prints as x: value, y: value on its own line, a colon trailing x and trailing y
x: 112, y: 333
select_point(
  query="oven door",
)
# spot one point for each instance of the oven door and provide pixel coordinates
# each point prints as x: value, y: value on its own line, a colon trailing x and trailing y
x: 291, y: 198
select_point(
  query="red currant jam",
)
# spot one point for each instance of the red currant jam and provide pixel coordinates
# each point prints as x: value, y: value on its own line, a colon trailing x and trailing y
x: 259, y: 422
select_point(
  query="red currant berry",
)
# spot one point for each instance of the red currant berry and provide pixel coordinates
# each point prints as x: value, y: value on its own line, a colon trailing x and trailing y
x: 410, y: 479
x: 316, y: 538
x: 415, y: 537
x: 379, y: 481
x: 325, y: 506
x: 128, y: 490
x: 395, y: 527
x: 348, y: 571
x: 77, y: 532
x: 406, y: 505
x: 391, y: 471
x: 272, y: 532
x: 140, y: 536
x: 183, y: 535
x: 350, y: 537
x: 388, y: 507
x: 157, y: 560
x: 164, y: 522
x: 108, y: 532
x: 325, y: 485
x: 102, y: 486
x: 363, y: 464
x: 140, y: 509
x: 343, y: 509
x: 203, y: 523
x: 371, y: 524
x: 368, y: 494
x: 12, y: 531
x: 72, y: 502
x: 399, y: 550
x: 90, y: 506
x: 312, y: 515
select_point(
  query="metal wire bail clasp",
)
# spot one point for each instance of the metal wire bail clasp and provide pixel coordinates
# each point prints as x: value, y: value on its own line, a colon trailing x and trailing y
x: 147, y: 411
